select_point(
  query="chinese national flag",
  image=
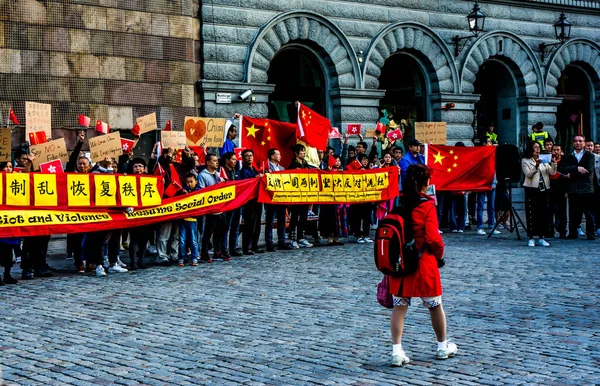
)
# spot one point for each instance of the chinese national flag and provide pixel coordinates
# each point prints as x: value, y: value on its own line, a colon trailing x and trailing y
x: 37, y: 138
x: 84, y: 121
x: 12, y: 116
x: 331, y: 161
x: 354, y: 165
x: 380, y: 127
x: 313, y: 128
x: 260, y: 135
x: 168, y: 126
x: 354, y: 129
x: 102, y: 127
x: 54, y: 167
x: 461, y: 168
x: 172, y: 189
x: 135, y: 130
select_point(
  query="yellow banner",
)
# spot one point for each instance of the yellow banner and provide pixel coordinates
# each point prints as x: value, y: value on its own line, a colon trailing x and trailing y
x: 106, y: 189
x: 78, y: 190
x: 10, y: 218
x: 46, y: 193
x: 128, y: 190
x: 17, y: 189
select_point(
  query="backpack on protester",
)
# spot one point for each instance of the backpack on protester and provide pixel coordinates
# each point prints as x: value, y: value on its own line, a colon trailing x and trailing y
x: 395, y: 250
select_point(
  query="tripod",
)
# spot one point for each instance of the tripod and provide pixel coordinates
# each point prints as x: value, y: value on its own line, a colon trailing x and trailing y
x: 511, y: 213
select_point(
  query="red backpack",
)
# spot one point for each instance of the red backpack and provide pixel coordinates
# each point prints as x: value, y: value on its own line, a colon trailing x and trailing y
x: 395, y: 250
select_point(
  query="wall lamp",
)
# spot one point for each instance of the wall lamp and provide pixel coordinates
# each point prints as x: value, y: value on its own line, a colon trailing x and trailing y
x: 476, y: 20
x: 448, y: 106
x: 562, y: 30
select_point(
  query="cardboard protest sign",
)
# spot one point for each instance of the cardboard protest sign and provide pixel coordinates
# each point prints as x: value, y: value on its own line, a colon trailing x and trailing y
x: 105, y: 146
x: 38, y: 117
x: 5, y: 145
x: 173, y: 139
x: 431, y: 132
x: 211, y: 131
x: 147, y: 123
x: 49, y: 151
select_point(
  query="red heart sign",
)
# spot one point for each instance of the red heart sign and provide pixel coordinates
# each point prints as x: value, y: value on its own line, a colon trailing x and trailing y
x: 194, y: 131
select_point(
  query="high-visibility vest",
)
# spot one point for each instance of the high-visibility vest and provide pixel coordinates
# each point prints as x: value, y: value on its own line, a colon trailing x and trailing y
x: 539, y: 137
x: 493, y: 136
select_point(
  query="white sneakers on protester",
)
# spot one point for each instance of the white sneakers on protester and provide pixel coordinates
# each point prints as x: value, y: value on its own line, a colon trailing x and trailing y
x: 449, y: 352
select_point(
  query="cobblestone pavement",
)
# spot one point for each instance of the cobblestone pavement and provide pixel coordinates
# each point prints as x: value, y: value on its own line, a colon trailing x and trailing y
x: 519, y: 316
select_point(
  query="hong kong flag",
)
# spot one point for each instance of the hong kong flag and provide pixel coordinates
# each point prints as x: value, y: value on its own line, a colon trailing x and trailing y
x: 238, y: 152
x: 354, y: 128
x: 102, y: 127
x: 127, y: 145
x: 312, y: 128
x: 53, y: 167
x: 260, y: 135
x: 461, y: 168
x: 394, y: 135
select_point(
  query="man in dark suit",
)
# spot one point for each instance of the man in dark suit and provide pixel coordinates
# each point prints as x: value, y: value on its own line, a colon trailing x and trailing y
x: 579, y: 167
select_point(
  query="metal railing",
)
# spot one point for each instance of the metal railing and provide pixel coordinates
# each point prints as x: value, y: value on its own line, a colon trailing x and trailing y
x: 594, y: 4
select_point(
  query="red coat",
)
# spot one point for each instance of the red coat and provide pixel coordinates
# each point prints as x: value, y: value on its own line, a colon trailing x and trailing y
x: 426, y: 282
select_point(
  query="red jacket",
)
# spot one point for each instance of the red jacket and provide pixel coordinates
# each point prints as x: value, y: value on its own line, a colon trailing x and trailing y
x: 426, y: 282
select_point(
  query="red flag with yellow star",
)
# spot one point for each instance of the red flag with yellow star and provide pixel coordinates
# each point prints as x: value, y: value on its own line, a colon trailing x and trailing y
x: 461, y: 168
x: 261, y: 134
x: 313, y: 128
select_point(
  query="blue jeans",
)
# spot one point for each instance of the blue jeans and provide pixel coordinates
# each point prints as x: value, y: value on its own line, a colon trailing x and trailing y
x: 230, y: 237
x: 275, y: 211
x: 457, y: 212
x: 188, y: 237
x: 491, y: 197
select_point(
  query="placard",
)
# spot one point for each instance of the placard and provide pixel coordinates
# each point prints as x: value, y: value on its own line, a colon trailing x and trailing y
x: 108, y: 145
x: 173, y: 139
x: 211, y: 131
x: 5, y: 145
x: 49, y: 151
x: 372, y: 133
x: 38, y: 117
x: 431, y: 132
x: 147, y: 123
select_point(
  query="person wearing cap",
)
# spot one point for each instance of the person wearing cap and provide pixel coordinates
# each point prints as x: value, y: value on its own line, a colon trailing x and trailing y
x: 539, y: 135
x: 412, y: 156
x: 491, y: 135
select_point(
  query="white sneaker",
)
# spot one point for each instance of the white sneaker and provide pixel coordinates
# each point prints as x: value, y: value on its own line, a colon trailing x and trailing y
x: 497, y: 232
x: 294, y: 244
x: 481, y: 232
x: 543, y: 243
x: 454, y: 230
x: 152, y: 250
x: 100, y: 271
x: 580, y: 232
x: 461, y: 231
x: 105, y: 262
x: 360, y: 240
x: 399, y: 359
x: 116, y: 269
x: 367, y: 240
x: 439, y: 230
x: 449, y: 352
x: 120, y: 263
x: 303, y: 243
x: 531, y: 243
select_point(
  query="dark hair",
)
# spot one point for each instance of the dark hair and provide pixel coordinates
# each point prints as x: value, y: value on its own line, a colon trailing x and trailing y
x: 351, y: 148
x: 398, y: 148
x: 363, y: 144
x: 271, y: 152
x: 329, y: 148
x: 361, y: 157
x: 298, y: 148
x: 138, y: 161
x: 529, y: 149
x: 247, y: 151
x: 416, y: 179
x: 548, y: 140
x: 19, y: 153
x: 576, y: 135
x: 226, y: 156
x: 336, y: 156
x: 209, y: 157
x: 539, y: 125
x: 3, y: 165
x: 231, y: 128
x: 460, y: 144
x: 191, y: 175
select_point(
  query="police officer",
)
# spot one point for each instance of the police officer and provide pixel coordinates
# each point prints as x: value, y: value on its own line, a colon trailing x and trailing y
x: 539, y: 135
x: 491, y: 135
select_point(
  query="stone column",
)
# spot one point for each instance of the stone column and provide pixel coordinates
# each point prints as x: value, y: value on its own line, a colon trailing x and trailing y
x: 533, y: 110
x: 458, y: 118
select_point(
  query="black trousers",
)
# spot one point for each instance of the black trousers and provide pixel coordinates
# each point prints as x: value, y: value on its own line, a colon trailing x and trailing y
x: 6, y: 255
x: 34, y: 253
x: 581, y: 204
x: 361, y: 219
x: 251, y: 214
x: 75, y: 241
x: 214, y: 226
x: 537, y: 212
x: 298, y: 220
x: 138, y: 240
x: 558, y: 208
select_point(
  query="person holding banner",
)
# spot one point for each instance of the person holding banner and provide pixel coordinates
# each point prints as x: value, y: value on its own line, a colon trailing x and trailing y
x: 138, y: 236
x: 299, y: 213
x: 24, y: 161
x: 252, y: 210
x: 7, y: 245
x: 275, y: 211
x: 232, y: 218
x: 188, y: 226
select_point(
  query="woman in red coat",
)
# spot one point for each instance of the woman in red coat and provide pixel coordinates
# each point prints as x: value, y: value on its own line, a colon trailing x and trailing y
x: 425, y: 282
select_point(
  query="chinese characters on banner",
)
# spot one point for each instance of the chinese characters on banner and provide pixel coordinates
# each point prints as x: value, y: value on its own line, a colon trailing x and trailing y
x: 79, y: 190
x: 38, y: 117
x: 322, y: 187
x: 431, y: 132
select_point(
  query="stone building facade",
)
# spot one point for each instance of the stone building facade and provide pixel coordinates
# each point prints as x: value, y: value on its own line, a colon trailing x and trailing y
x: 358, y: 57
x: 108, y: 59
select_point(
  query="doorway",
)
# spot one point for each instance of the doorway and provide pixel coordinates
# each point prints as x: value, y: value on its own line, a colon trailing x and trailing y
x: 573, y: 114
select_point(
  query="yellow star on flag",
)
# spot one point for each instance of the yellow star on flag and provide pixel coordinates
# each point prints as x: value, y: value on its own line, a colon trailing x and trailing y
x: 455, y: 157
x: 263, y: 143
x: 438, y: 158
x: 268, y: 138
x: 451, y: 151
x: 251, y: 131
x: 455, y: 165
x: 449, y: 170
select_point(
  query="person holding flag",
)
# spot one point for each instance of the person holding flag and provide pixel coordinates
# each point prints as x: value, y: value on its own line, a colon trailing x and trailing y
x: 275, y: 211
x: 252, y: 210
x: 299, y: 213
x: 232, y: 218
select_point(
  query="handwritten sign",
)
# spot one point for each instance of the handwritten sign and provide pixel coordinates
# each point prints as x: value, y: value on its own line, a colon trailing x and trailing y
x: 147, y: 123
x: 49, y: 151
x: 38, y: 117
x: 370, y: 133
x: 208, y: 130
x: 431, y: 132
x: 173, y: 139
x: 5, y: 145
x: 103, y: 146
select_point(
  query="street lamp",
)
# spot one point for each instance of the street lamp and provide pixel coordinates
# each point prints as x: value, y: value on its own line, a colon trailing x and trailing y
x: 476, y: 21
x: 562, y: 31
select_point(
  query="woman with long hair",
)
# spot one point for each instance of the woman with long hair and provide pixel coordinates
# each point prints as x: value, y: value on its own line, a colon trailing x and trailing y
x: 419, y: 210
x: 536, y: 184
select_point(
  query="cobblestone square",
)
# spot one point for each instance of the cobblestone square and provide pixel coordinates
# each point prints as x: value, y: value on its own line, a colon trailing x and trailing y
x: 519, y: 316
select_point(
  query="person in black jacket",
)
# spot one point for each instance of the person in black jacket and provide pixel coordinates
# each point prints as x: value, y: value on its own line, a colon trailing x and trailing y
x: 579, y: 167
